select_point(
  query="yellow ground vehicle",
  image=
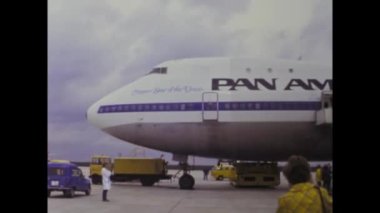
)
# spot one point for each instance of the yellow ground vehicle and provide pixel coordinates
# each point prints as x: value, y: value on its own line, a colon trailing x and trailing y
x: 96, y: 167
x: 59, y: 161
x: 256, y: 174
x: 147, y: 170
x: 219, y: 172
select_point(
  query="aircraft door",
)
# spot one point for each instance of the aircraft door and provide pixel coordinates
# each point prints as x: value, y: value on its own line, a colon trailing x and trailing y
x: 324, y: 115
x: 327, y: 100
x: 210, y: 110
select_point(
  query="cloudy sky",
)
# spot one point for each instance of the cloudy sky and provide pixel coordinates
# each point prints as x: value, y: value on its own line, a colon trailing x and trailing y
x: 97, y: 46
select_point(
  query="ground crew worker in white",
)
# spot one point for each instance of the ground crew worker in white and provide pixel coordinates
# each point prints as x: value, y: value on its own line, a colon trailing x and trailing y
x: 106, y: 174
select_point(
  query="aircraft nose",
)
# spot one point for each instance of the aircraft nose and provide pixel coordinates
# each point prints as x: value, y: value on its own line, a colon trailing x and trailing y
x: 95, y: 115
x: 92, y: 115
x: 101, y: 114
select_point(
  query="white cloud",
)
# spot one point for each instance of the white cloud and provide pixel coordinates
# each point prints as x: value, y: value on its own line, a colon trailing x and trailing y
x: 271, y: 27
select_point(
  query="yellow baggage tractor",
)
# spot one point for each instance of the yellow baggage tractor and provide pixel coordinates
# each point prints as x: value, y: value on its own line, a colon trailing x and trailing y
x: 256, y: 174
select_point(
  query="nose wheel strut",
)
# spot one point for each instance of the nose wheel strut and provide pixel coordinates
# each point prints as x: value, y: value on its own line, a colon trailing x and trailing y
x: 186, y: 181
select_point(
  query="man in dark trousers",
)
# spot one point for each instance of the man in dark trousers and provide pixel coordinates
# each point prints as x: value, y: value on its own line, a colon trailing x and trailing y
x: 106, y: 174
x: 205, y: 174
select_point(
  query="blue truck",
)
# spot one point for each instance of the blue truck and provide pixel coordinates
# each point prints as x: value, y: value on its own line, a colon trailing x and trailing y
x: 67, y: 178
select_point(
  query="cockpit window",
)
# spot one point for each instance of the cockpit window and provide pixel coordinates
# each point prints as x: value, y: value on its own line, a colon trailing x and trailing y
x: 159, y: 70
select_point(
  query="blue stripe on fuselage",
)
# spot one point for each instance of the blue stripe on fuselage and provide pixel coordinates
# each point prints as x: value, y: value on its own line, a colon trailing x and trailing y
x: 209, y: 106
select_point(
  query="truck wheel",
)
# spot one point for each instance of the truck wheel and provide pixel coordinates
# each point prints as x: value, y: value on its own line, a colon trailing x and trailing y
x: 88, y: 191
x: 186, y: 181
x: 69, y: 193
x: 147, y: 181
x: 220, y: 177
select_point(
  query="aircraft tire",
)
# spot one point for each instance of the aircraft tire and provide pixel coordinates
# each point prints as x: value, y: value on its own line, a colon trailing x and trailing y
x: 186, y: 181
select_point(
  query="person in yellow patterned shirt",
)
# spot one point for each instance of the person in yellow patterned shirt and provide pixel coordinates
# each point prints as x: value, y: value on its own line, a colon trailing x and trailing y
x: 303, y: 196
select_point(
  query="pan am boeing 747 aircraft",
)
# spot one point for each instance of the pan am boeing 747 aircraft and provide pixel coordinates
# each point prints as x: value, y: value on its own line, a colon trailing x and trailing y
x: 235, y: 108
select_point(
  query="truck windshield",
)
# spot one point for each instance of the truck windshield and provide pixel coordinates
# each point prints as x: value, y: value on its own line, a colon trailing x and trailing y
x: 55, y: 172
x: 95, y: 161
x: 100, y: 161
x: 106, y: 160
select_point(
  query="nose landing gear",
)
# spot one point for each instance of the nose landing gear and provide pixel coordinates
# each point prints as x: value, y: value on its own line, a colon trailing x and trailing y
x: 186, y: 181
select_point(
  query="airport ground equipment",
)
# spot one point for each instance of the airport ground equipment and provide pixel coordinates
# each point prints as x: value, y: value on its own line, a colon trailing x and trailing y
x: 67, y: 178
x: 96, y: 166
x: 59, y: 161
x: 222, y: 171
x: 147, y: 170
x: 256, y: 174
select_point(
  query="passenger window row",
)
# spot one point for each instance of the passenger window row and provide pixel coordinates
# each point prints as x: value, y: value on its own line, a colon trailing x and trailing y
x: 211, y: 106
x: 150, y: 107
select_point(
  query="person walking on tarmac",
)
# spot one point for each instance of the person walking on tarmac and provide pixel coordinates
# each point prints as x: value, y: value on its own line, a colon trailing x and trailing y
x: 106, y: 174
x: 326, y: 176
x: 205, y: 173
x: 318, y: 175
x: 303, y: 196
